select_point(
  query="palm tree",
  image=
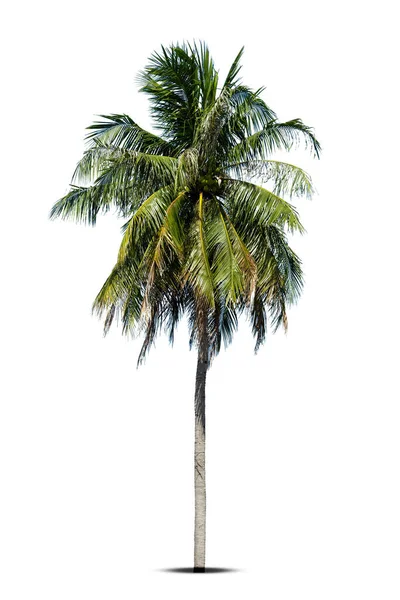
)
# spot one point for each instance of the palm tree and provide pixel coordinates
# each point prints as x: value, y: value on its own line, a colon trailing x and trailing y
x: 202, y: 237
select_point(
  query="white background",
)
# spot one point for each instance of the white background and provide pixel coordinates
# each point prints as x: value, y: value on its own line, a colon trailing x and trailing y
x: 303, y: 439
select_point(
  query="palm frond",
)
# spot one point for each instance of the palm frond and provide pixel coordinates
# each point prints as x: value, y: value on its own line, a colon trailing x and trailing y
x: 273, y: 137
x: 271, y: 289
x: 208, y: 130
x: 133, y: 176
x: 151, y: 331
x: 289, y: 264
x: 252, y: 206
x: 81, y: 204
x: 234, y: 269
x: 121, y: 288
x: 223, y: 323
x: 197, y: 268
x: 171, y: 82
x: 120, y: 131
x: 287, y: 179
x: 207, y: 74
x: 227, y: 276
x: 144, y: 223
x: 250, y: 113
x: 292, y: 133
x: 258, y: 319
x: 246, y: 114
x: 125, y: 178
x: 279, y: 276
x: 231, y: 79
x: 137, y: 168
x: 93, y: 162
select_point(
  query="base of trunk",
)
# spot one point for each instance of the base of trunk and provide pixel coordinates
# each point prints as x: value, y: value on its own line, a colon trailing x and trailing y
x: 199, y: 569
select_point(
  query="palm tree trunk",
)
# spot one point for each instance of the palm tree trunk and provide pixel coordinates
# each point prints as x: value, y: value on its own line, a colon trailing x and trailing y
x: 199, y: 449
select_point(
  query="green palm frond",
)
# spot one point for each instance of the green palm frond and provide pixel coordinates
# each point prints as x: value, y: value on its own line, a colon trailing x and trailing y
x: 147, y: 260
x: 223, y: 323
x: 250, y: 113
x: 157, y: 211
x: 120, y: 131
x: 288, y: 262
x: 125, y: 179
x: 258, y: 319
x: 226, y: 272
x: 81, y: 204
x: 131, y: 177
x: 165, y: 249
x: 173, y: 224
x: 138, y: 168
x: 293, y: 133
x: 144, y: 223
x: 155, y: 262
x: 150, y: 333
x: 232, y: 80
x: 273, y: 137
x: 234, y: 269
x: 252, y: 206
x: 279, y: 276
x: 93, y: 162
x: 170, y: 81
x: 247, y: 113
x: 197, y: 268
x: 287, y: 179
x: 209, y: 128
x: 176, y: 310
x: 272, y: 289
x: 206, y: 73
x: 121, y: 289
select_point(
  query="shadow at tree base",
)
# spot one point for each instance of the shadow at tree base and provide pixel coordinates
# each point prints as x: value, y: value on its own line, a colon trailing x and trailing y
x: 207, y: 570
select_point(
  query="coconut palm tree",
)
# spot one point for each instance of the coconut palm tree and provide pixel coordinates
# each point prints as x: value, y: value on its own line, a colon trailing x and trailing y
x: 202, y: 237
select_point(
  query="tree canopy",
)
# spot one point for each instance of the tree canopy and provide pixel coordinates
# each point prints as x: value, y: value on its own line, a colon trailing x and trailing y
x: 201, y: 233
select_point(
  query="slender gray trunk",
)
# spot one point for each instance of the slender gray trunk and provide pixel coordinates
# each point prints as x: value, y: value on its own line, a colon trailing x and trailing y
x: 199, y: 449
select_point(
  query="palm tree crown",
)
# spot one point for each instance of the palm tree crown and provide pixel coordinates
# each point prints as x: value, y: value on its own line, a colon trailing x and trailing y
x: 201, y: 237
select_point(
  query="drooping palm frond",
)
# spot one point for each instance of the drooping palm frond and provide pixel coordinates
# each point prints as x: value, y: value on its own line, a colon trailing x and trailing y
x: 273, y: 137
x: 252, y: 206
x: 81, y: 204
x: 225, y: 268
x: 287, y: 179
x: 125, y: 164
x: 288, y: 263
x: 249, y: 113
x: 139, y: 174
x: 223, y: 323
x: 124, y: 180
x: 293, y: 133
x: 145, y: 222
x: 93, y: 162
x: 197, y: 268
x: 234, y: 269
x: 258, y: 318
